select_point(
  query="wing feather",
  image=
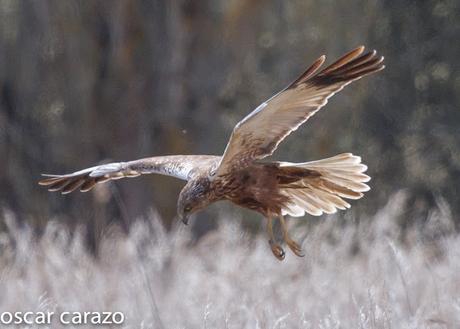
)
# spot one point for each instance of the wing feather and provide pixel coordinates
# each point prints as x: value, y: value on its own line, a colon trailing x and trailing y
x: 258, y: 134
x: 181, y: 166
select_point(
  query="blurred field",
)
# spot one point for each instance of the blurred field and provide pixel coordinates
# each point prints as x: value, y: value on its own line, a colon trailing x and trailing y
x: 370, y: 275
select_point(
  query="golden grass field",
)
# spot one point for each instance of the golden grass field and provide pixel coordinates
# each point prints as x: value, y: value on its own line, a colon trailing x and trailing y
x: 366, y: 275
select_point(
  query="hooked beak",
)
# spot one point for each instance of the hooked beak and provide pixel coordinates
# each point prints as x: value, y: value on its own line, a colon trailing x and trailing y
x: 184, y: 218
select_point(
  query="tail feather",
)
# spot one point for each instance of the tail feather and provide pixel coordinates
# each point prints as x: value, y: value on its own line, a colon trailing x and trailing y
x: 341, y: 176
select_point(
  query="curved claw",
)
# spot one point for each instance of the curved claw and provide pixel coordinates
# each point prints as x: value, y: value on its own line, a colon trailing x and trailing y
x: 296, y: 249
x: 277, y: 250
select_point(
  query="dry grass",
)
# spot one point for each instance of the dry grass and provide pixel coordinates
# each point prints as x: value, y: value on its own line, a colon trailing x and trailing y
x: 352, y: 277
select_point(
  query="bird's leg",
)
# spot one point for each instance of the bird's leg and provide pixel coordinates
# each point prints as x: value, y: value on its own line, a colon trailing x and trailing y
x: 277, y: 250
x: 296, y: 249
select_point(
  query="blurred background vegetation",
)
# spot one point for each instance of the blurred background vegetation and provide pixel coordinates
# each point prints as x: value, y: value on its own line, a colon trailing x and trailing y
x: 88, y: 81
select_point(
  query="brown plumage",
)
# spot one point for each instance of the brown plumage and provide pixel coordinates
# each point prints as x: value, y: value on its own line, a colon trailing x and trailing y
x: 273, y: 189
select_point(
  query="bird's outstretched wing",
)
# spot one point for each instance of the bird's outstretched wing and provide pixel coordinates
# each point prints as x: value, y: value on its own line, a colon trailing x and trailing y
x: 180, y: 166
x: 258, y: 134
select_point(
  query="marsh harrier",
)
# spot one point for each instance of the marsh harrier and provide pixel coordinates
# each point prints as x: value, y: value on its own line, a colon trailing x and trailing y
x: 274, y: 189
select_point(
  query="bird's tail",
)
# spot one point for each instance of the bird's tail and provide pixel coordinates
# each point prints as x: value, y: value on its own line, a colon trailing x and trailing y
x: 323, y: 191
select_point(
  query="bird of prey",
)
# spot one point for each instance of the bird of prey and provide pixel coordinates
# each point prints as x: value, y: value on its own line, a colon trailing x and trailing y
x: 274, y: 189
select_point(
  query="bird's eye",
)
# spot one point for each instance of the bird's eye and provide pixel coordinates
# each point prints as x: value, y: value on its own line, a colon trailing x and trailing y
x: 187, y: 209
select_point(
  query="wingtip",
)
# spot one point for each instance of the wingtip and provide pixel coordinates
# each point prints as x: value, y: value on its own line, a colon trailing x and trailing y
x: 357, y: 51
x: 49, y: 180
x: 309, y: 72
x: 352, y: 54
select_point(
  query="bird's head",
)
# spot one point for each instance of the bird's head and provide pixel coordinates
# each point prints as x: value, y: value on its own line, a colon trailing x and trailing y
x: 193, y: 197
